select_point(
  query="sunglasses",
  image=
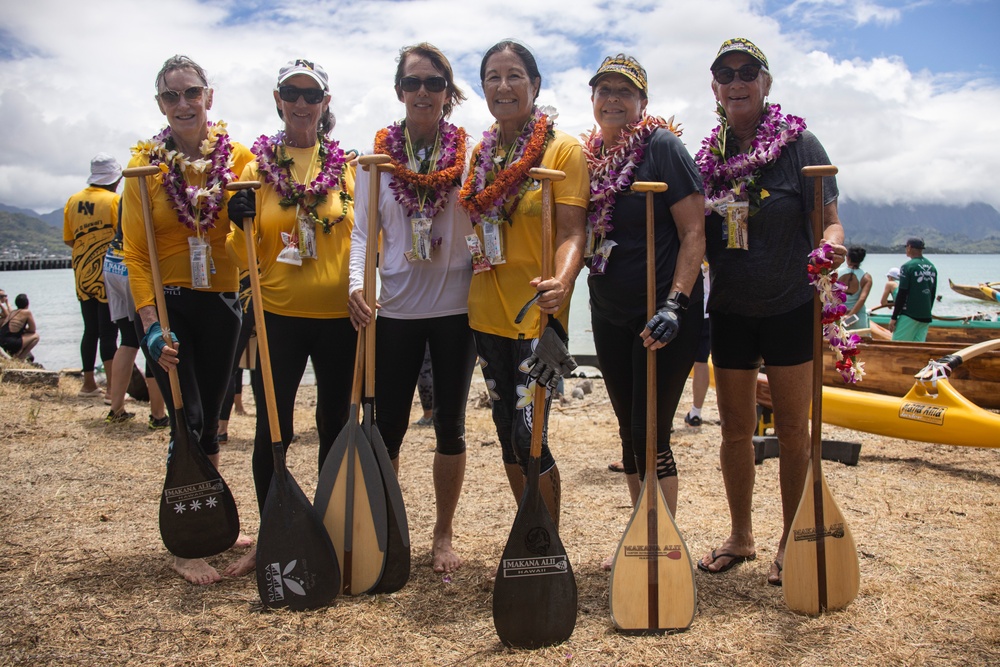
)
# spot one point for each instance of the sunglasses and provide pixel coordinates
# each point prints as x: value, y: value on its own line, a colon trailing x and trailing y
x: 433, y: 84
x: 748, y: 72
x: 292, y: 94
x: 192, y: 94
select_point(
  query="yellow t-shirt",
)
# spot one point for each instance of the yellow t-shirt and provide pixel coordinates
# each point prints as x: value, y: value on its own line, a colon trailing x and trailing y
x: 319, y: 287
x: 172, y: 236
x: 89, y: 221
x: 496, y: 296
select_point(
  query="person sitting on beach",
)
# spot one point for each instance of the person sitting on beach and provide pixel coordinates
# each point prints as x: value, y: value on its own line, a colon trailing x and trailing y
x: 891, y: 287
x: 4, y: 307
x: 18, y: 333
x: 911, y: 312
x: 90, y: 219
x: 423, y: 299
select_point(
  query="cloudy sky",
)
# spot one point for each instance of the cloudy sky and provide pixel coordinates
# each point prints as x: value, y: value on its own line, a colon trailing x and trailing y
x: 903, y: 93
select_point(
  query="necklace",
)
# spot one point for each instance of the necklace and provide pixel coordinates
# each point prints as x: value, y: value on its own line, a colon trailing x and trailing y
x: 611, y: 169
x: 275, y: 168
x: 496, y: 179
x: 833, y: 295
x: 729, y: 174
x: 424, y: 191
x: 197, y: 207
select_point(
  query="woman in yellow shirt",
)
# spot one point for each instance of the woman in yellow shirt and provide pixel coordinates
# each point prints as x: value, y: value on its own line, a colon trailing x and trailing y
x: 303, y: 217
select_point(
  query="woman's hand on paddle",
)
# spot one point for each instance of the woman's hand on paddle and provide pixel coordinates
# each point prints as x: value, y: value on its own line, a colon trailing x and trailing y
x: 552, y: 294
x: 361, y: 314
x: 155, y: 342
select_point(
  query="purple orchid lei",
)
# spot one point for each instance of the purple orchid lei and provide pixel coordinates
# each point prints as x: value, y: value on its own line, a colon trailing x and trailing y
x: 735, y: 176
x: 407, y: 194
x: 833, y: 295
x: 275, y: 168
x: 197, y: 207
x: 611, y: 171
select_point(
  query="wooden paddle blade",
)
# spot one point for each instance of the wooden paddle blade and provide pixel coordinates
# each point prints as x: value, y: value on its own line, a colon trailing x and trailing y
x: 297, y: 566
x: 804, y: 587
x: 198, y: 516
x: 534, y: 595
x: 397, y: 556
x: 351, y: 501
x: 652, y: 581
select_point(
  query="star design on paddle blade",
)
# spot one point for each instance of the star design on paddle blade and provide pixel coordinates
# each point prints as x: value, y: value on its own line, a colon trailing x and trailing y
x: 195, y: 505
x: 179, y: 508
x: 211, y: 502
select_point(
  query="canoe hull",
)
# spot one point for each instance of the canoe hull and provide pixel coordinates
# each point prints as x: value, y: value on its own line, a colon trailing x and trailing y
x: 959, y: 332
x: 982, y: 291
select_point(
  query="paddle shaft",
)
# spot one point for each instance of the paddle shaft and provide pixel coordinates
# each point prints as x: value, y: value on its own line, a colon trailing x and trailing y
x: 374, y: 165
x: 816, y: 429
x: 154, y: 266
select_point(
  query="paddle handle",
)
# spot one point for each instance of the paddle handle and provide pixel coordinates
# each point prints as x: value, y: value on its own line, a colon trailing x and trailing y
x: 546, y: 176
x: 374, y: 165
x: 141, y: 173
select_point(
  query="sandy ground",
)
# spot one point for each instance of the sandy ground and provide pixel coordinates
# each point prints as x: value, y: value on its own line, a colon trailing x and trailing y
x: 85, y: 580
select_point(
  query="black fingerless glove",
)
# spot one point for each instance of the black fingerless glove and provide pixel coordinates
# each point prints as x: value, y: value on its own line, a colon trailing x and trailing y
x: 666, y: 322
x: 551, y: 359
x: 242, y: 207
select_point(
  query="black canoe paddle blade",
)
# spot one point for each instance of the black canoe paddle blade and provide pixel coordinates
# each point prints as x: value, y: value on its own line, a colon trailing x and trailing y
x: 297, y: 566
x: 396, y: 572
x: 198, y: 516
x: 534, y: 595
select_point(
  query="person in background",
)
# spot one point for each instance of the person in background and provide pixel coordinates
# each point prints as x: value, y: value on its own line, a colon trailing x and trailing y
x: 701, y: 374
x: 759, y: 238
x: 4, y: 307
x: 859, y: 284
x: 234, y: 394
x: 18, y: 333
x: 630, y: 145
x: 505, y: 204
x: 425, y: 389
x: 302, y: 215
x: 911, y: 312
x: 90, y: 219
x: 891, y: 287
x: 188, y: 200
x: 424, y: 270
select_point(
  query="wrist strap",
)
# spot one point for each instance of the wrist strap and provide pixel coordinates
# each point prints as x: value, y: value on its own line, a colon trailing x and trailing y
x: 680, y: 298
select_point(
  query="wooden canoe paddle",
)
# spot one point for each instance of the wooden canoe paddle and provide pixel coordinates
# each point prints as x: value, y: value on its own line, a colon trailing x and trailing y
x: 198, y: 515
x: 534, y: 594
x: 821, y: 571
x: 396, y: 572
x: 652, y: 577
x: 297, y: 566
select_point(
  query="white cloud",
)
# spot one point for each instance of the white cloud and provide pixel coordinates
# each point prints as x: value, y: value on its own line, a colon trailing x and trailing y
x: 82, y: 80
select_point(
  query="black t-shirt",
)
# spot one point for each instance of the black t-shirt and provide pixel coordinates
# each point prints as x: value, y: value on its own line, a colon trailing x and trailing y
x: 620, y: 293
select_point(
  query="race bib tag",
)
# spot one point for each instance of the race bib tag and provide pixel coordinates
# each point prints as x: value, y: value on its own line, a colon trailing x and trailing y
x: 421, y: 251
x: 493, y: 242
x: 201, y: 263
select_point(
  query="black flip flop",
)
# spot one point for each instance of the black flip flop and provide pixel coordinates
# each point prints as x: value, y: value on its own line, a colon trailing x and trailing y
x: 735, y: 560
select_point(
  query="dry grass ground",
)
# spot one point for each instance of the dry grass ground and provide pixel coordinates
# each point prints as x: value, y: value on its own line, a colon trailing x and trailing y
x: 85, y: 580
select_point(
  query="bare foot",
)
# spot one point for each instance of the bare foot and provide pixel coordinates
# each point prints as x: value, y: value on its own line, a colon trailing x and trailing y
x: 608, y: 563
x: 242, y: 542
x: 445, y: 559
x: 245, y: 565
x: 196, y: 571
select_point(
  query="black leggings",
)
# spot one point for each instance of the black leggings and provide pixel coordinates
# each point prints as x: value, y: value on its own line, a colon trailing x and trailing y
x: 206, y: 325
x: 330, y: 344
x: 400, y: 346
x: 97, y: 325
x: 623, y: 363
x: 236, y: 378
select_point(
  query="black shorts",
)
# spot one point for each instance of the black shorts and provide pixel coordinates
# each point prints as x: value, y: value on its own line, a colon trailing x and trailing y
x: 742, y: 343
x: 704, y: 343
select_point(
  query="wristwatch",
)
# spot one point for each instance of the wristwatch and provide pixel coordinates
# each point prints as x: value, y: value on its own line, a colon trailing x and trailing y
x: 680, y: 298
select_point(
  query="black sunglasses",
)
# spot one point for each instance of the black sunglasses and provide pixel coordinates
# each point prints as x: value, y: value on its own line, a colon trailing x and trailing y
x: 748, y: 72
x: 292, y: 94
x: 192, y: 94
x: 433, y: 84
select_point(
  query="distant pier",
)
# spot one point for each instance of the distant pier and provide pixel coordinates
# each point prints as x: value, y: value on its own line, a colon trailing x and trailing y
x: 35, y: 263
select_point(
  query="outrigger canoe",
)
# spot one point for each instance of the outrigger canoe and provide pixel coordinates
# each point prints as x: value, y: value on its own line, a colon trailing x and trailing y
x: 958, y: 331
x: 982, y: 291
x: 931, y: 411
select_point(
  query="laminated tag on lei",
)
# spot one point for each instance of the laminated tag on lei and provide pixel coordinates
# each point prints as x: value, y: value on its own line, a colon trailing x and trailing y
x: 493, y: 242
x: 479, y: 261
x: 736, y: 232
x: 201, y: 263
x: 421, y: 234
x: 290, y: 253
x: 307, y: 235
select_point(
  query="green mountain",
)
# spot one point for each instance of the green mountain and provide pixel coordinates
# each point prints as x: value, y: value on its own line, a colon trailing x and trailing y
x: 25, y: 235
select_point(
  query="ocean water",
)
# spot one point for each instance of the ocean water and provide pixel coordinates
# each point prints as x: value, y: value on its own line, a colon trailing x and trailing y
x: 57, y: 312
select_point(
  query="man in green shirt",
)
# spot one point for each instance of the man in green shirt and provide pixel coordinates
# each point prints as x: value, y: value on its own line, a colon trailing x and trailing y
x: 911, y: 314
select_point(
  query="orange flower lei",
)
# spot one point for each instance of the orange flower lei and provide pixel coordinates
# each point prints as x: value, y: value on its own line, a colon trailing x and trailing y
x: 435, y: 179
x: 509, y: 180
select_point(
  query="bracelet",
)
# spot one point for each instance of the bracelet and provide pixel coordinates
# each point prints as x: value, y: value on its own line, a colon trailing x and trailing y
x: 680, y: 298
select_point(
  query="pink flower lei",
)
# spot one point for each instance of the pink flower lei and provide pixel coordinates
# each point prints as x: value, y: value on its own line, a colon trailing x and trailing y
x: 275, y: 168
x: 409, y: 194
x: 611, y: 171
x: 197, y: 207
x: 833, y: 295
x: 726, y: 172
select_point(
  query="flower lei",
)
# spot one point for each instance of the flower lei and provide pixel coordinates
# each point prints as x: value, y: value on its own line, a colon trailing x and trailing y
x: 275, y: 168
x: 727, y: 173
x: 833, y: 295
x: 491, y: 184
x: 197, y: 207
x: 611, y: 171
x: 434, y: 185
